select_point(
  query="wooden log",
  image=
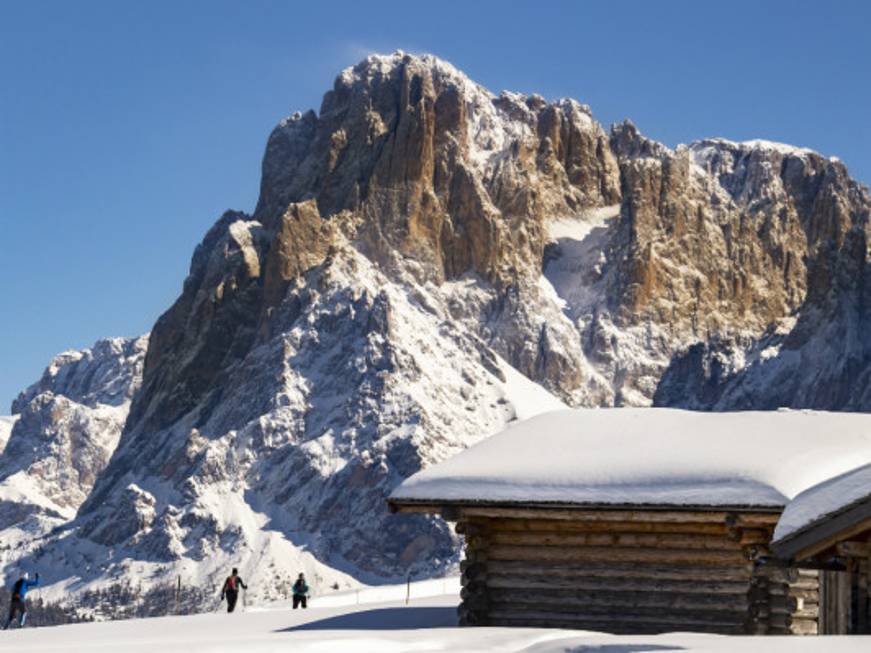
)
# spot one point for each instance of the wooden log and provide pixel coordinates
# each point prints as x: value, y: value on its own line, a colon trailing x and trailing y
x: 504, y: 525
x: 754, y: 536
x: 474, y: 601
x: 689, y: 621
x: 853, y: 549
x: 811, y: 595
x: 806, y: 612
x: 642, y: 614
x: 473, y: 569
x: 605, y: 554
x: 613, y: 626
x: 749, y: 519
x: 469, y: 617
x: 647, y: 540
x: 475, y: 555
x: 593, y: 583
x: 805, y: 584
x: 585, y: 601
x: 606, y: 569
x: 804, y: 627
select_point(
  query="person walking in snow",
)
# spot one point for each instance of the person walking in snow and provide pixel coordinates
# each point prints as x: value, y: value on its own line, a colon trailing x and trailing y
x: 17, y: 605
x: 300, y: 592
x: 231, y: 589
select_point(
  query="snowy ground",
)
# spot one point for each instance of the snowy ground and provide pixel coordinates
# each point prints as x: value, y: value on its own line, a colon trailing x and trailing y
x: 426, y: 624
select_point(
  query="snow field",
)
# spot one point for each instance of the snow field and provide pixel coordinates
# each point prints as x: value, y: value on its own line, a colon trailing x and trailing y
x: 424, y: 626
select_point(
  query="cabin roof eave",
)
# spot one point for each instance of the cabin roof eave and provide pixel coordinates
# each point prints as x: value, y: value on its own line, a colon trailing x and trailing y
x: 826, y: 531
x: 453, y: 506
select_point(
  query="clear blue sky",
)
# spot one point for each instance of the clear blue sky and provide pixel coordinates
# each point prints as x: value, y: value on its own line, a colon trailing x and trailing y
x: 126, y: 128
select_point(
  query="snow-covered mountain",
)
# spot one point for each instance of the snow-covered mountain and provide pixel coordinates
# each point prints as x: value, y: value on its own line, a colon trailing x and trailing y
x: 64, y: 429
x: 428, y: 261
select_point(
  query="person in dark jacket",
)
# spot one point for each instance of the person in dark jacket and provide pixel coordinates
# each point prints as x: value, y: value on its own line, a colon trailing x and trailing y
x: 300, y: 592
x: 231, y: 589
x: 18, y: 605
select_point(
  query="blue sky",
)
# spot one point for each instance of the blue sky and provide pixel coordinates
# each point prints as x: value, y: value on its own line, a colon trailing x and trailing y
x: 127, y: 128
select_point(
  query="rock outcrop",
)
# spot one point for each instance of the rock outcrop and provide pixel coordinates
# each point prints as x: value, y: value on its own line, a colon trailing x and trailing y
x: 65, y: 428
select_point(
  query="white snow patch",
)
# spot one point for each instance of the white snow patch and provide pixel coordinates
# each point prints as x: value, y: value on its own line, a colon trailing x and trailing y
x: 652, y: 457
x: 7, y: 422
x: 577, y: 269
x: 527, y: 397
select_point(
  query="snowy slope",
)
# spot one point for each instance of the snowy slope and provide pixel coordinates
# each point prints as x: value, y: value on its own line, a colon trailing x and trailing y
x: 6, y: 424
x: 425, y: 625
x: 653, y: 456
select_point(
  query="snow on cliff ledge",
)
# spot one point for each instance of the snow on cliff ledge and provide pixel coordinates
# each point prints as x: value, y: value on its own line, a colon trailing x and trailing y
x: 651, y: 456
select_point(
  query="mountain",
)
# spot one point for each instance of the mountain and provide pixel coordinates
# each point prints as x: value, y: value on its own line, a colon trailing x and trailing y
x: 64, y: 430
x: 427, y: 262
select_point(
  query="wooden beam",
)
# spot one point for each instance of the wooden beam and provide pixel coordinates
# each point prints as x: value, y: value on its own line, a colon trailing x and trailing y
x: 826, y: 533
x: 639, y: 514
x: 853, y: 549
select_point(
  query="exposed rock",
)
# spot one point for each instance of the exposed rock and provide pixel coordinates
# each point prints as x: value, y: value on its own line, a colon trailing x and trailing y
x: 66, y: 428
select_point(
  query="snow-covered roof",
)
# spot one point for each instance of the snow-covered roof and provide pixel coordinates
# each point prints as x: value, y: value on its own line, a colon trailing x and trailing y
x: 820, y: 502
x: 650, y: 456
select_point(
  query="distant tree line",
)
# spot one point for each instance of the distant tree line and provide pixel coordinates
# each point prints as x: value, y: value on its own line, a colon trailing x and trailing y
x: 121, y: 600
x: 40, y: 612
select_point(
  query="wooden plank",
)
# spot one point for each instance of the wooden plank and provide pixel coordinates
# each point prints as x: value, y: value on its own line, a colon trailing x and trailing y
x: 606, y: 554
x: 862, y: 625
x: 649, y: 540
x: 593, y: 583
x: 834, y: 602
x: 606, y: 569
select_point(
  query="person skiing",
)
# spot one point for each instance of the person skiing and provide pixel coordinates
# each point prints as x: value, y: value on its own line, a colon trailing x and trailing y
x: 300, y: 592
x: 17, y: 605
x: 231, y: 589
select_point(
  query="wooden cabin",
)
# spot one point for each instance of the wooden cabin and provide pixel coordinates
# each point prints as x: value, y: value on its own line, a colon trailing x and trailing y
x: 640, y: 520
x: 829, y: 526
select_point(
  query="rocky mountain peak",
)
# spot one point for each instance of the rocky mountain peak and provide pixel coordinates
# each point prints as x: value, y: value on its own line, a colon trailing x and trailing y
x: 427, y: 262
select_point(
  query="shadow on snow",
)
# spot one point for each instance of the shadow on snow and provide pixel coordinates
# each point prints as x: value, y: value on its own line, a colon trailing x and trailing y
x: 385, y: 619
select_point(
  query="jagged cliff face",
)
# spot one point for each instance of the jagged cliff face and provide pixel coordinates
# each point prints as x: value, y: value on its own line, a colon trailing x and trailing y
x: 65, y: 428
x: 425, y: 261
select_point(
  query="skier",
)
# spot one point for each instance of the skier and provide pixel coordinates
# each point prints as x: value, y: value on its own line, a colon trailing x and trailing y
x: 300, y: 592
x: 19, y: 591
x: 231, y: 589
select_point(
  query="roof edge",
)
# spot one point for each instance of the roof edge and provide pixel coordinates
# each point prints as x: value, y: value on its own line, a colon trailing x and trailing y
x: 544, y: 505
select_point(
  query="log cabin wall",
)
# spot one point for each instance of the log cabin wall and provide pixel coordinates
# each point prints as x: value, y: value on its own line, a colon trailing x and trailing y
x: 630, y: 572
